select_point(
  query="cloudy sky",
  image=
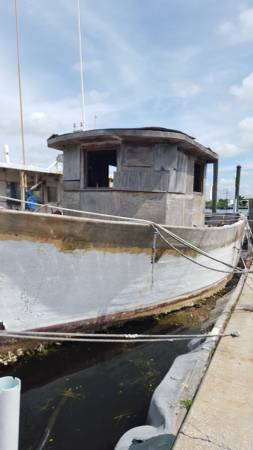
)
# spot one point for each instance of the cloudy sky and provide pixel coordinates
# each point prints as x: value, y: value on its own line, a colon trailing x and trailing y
x: 184, y: 64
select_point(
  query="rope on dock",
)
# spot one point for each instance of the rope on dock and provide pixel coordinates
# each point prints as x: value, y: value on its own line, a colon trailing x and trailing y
x: 109, y: 338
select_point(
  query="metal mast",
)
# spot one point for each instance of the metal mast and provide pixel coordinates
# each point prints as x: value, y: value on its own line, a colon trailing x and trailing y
x: 23, y: 181
x: 20, y: 86
x: 81, y: 66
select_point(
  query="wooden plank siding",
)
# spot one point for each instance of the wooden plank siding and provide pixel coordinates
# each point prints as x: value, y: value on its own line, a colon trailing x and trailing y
x: 150, y: 169
x: 137, y: 156
x: 166, y: 157
x: 71, y: 164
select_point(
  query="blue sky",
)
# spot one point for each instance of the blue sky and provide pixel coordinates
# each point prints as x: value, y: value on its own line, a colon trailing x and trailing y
x: 184, y: 64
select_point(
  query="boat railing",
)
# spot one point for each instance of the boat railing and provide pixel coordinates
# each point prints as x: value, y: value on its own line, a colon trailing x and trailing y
x: 221, y: 219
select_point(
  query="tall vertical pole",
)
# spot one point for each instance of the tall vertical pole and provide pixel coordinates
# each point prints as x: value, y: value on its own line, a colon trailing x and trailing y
x: 215, y: 186
x: 20, y: 86
x: 23, y: 186
x: 237, y: 188
x: 23, y: 174
x: 81, y: 65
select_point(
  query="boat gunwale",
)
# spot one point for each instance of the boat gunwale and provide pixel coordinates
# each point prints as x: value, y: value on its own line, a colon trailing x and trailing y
x: 127, y: 221
x: 70, y: 233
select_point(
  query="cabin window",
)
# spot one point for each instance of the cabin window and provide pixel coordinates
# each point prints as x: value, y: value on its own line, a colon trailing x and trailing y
x: 101, y: 165
x: 13, y: 190
x: 198, y: 179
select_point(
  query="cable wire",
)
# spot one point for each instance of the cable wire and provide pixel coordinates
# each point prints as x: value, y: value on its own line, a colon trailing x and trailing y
x: 236, y: 270
x: 71, y: 337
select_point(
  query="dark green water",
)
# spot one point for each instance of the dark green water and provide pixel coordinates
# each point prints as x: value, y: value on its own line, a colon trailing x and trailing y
x: 85, y: 396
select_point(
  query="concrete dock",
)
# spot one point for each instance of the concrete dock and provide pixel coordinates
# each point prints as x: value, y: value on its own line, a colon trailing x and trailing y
x: 221, y: 416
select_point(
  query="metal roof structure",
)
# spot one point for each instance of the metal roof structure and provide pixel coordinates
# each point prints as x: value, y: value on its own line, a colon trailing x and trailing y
x: 29, y: 168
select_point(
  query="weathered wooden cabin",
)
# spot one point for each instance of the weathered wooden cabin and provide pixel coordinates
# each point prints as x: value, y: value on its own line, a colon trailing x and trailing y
x: 148, y: 173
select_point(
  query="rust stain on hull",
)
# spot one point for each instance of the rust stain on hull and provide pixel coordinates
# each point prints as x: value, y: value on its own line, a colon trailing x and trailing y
x: 66, y: 245
x: 77, y: 232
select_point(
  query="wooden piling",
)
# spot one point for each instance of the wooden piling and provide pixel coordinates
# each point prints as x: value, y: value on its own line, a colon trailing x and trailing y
x: 215, y: 186
x: 237, y: 188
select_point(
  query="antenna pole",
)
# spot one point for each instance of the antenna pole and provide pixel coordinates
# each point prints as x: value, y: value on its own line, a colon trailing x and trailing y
x: 81, y: 64
x: 20, y: 87
x: 22, y: 173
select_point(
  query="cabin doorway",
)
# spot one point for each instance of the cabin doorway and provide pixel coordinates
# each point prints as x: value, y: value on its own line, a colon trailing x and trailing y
x: 101, y: 165
x: 198, y: 179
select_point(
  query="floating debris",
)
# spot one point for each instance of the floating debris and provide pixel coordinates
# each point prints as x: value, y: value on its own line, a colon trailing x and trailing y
x: 10, y: 357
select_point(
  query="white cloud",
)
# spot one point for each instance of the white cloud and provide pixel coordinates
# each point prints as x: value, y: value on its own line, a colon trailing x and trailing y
x: 224, y: 107
x: 246, y: 124
x: 185, y: 54
x: 130, y: 74
x: 246, y: 129
x: 93, y: 65
x: 186, y: 90
x: 226, y: 28
x: 43, y: 118
x: 228, y: 150
x: 140, y: 76
x: 244, y: 91
x: 241, y: 29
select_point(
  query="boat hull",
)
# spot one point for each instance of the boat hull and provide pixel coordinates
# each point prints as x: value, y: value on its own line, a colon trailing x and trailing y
x: 63, y: 272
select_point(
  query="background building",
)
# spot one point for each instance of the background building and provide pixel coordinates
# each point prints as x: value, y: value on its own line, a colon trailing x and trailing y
x: 45, y: 184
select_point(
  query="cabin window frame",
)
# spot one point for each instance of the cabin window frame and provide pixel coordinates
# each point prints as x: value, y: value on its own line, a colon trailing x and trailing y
x: 85, y: 170
x: 198, y: 177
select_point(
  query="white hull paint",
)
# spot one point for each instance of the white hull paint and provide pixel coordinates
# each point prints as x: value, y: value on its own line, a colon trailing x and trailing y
x: 42, y: 286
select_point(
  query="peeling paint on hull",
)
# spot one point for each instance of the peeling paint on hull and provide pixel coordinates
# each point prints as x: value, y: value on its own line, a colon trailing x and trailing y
x: 43, y: 286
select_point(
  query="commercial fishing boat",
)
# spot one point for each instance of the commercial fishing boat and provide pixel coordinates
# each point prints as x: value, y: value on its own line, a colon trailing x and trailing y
x: 132, y: 239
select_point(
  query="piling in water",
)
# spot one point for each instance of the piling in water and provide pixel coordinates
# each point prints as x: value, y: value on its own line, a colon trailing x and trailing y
x: 215, y: 187
x: 237, y: 188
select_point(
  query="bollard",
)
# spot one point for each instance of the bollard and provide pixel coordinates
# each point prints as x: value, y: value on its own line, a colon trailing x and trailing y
x: 9, y: 412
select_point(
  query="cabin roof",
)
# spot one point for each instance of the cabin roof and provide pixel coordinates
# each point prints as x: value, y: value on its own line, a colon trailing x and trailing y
x: 146, y: 135
x: 29, y: 168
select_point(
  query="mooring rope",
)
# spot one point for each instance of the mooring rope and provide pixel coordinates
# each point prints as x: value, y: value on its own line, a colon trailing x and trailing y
x: 109, y: 338
x: 196, y: 249
x: 237, y: 270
